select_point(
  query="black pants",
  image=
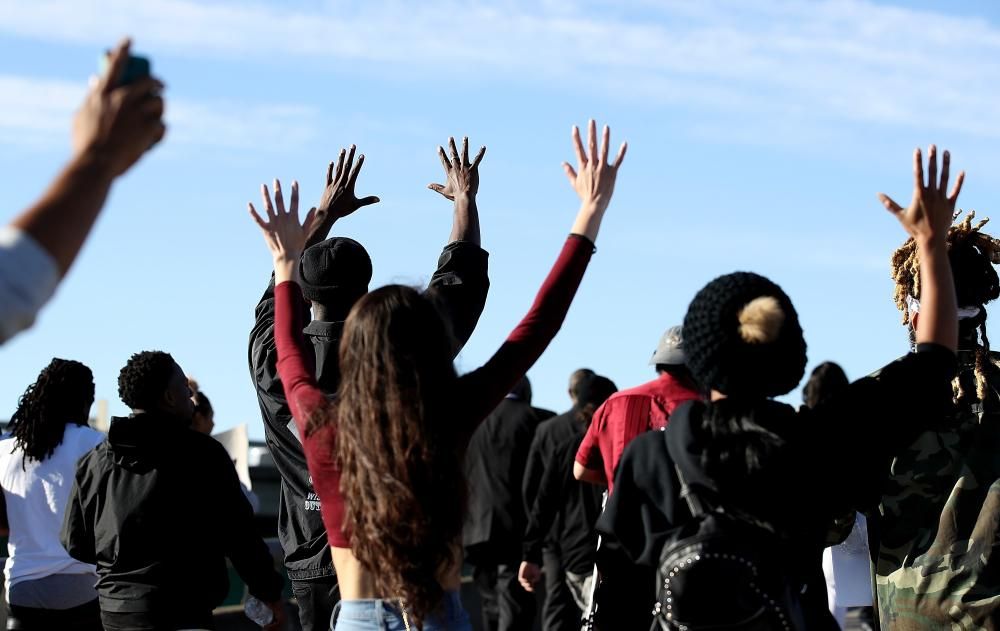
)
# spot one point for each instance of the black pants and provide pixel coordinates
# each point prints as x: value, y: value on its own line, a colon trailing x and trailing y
x: 316, y: 599
x: 559, y: 610
x: 86, y: 617
x: 506, y: 606
x: 156, y: 621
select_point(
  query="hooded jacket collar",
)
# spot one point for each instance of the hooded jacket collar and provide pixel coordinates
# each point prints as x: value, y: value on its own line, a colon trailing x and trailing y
x: 141, y: 438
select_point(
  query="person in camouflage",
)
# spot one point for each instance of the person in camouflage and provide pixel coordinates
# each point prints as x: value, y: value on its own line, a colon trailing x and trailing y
x: 937, y: 526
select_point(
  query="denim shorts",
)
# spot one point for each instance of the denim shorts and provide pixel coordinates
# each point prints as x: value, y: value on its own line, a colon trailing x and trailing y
x: 385, y: 615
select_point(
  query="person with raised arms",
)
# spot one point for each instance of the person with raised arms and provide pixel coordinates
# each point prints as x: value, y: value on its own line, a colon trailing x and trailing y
x: 386, y: 457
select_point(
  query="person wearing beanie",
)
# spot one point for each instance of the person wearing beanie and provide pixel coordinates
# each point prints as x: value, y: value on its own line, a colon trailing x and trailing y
x: 928, y: 576
x: 335, y: 274
x: 780, y: 467
x: 631, y: 412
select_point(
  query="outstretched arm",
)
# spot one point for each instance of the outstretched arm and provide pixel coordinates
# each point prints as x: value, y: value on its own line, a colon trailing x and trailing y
x: 114, y: 127
x: 461, y: 186
x: 461, y: 281
x: 594, y: 181
x: 927, y: 219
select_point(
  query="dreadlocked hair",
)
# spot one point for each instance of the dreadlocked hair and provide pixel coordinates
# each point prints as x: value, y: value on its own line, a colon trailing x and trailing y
x: 399, y: 446
x: 62, y: 394
x: 972, y: 254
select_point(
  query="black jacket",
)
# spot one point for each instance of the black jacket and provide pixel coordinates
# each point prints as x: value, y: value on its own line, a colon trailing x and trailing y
x: 494, y: 466
x: 563, y: 507
x: 158, y: 508
x: 815, y: 466
x: 549, y: 433
x: 459, y: 288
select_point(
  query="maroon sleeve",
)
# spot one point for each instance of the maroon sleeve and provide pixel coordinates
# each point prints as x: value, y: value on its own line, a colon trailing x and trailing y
x: 297, y: 372
x: 484, y: 388
x: 295, y: 365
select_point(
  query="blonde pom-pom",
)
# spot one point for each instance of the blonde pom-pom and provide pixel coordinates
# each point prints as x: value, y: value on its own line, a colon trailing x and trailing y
x: 761, y: 320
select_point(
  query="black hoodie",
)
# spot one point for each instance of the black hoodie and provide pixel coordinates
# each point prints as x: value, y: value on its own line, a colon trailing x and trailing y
x: 158, y: 508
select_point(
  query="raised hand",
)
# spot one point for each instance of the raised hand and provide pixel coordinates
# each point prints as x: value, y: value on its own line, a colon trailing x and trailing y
x: 461, y: 176
x: 117, y: 124
x: 932, y: 208
x: 284, y: 235
x: 339, y: 199
x: 594, y: 177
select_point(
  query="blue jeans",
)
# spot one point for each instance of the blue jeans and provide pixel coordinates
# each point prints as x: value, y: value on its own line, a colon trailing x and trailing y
x: 385, y: 615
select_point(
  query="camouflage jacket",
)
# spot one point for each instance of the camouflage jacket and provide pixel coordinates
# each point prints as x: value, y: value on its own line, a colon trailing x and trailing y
x: 937, y: 527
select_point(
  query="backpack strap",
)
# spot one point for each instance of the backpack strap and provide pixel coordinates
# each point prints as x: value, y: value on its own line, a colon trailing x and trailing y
x: 695, y: 504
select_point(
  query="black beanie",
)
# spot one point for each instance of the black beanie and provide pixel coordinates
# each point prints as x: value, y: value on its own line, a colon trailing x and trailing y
x: 335, y: 272
x: 719, y: 357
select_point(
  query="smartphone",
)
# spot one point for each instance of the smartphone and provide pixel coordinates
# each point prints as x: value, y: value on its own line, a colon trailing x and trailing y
x: 136, y: 68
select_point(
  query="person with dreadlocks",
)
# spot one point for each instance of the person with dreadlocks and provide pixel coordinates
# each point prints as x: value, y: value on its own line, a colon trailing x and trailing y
x: 46, y: 588
x: 935, y: 535
x: 158, y: 508
x: 778, y: 473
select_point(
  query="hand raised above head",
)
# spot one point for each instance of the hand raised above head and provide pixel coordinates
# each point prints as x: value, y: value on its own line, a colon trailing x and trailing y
x: 461, y: 176
x: 932, y: 208
x: 284, y: 235
x: 339, y: 198
x: 594, y: 177
x: 118, y: 123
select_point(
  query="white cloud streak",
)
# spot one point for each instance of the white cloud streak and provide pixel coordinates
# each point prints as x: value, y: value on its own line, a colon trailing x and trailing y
x: 769, y: 61
x: 37, y: 113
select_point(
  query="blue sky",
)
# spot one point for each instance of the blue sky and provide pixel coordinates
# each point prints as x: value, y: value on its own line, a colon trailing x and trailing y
x: 758, y: 135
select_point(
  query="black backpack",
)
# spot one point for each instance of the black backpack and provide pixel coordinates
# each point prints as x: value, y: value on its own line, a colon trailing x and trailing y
x: 725, y: 569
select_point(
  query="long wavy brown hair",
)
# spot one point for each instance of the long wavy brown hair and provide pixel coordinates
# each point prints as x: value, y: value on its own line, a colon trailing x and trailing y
x: 399, y: 446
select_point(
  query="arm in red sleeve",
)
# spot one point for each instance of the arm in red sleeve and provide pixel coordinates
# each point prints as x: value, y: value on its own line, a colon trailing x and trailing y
x: 295, y: 362
x: 482, y: 389
x: 298, y: 374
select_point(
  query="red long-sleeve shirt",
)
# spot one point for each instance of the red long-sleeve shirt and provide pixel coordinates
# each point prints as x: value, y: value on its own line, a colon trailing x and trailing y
x: 476, y: 393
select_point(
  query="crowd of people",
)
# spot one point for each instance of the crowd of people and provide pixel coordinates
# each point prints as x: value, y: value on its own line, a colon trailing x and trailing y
x: 694, y: 501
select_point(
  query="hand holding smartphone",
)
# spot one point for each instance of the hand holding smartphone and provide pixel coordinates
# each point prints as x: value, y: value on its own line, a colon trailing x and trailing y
x: 136, y: 68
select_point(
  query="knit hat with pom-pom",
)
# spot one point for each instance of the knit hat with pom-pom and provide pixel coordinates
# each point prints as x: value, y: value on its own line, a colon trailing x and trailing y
x: 743, y: 337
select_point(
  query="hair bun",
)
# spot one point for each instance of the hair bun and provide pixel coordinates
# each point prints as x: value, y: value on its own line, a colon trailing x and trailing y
x: 761, y: 320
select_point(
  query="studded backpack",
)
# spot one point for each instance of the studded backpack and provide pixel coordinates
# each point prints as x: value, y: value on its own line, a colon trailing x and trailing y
x: 724, y: 569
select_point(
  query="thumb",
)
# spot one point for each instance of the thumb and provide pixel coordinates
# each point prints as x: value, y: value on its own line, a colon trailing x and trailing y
x: 890, y: 204
x: 368, y: 201
x: 438, y: 188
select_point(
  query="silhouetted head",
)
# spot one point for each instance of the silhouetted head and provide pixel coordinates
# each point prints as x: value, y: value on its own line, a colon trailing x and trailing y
x: 743, y: 338
x: 826, y: 381
x: 335, y: 273
x: 594, y: 391
x: 62, y: 395
x: 152, y: 381
x: 575, y: 379
x: 203, y: 419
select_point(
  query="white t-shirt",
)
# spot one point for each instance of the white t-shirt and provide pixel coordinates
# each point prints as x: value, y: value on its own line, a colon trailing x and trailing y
x: 36, y: 502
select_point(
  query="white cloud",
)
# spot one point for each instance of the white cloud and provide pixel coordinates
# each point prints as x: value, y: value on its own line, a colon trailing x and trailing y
x: 772, y: 60
x: 37, y: 113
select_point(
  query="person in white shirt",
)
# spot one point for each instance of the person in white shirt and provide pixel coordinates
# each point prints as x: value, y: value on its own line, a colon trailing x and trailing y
x: 46, y: 588
x: 114, y: 127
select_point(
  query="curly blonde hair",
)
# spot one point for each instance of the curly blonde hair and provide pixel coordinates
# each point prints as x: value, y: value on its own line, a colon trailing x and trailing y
x: 972, y: 254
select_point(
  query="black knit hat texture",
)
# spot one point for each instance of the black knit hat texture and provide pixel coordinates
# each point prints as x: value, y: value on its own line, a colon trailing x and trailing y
x: 719, y: 357
x: 335, y: 272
